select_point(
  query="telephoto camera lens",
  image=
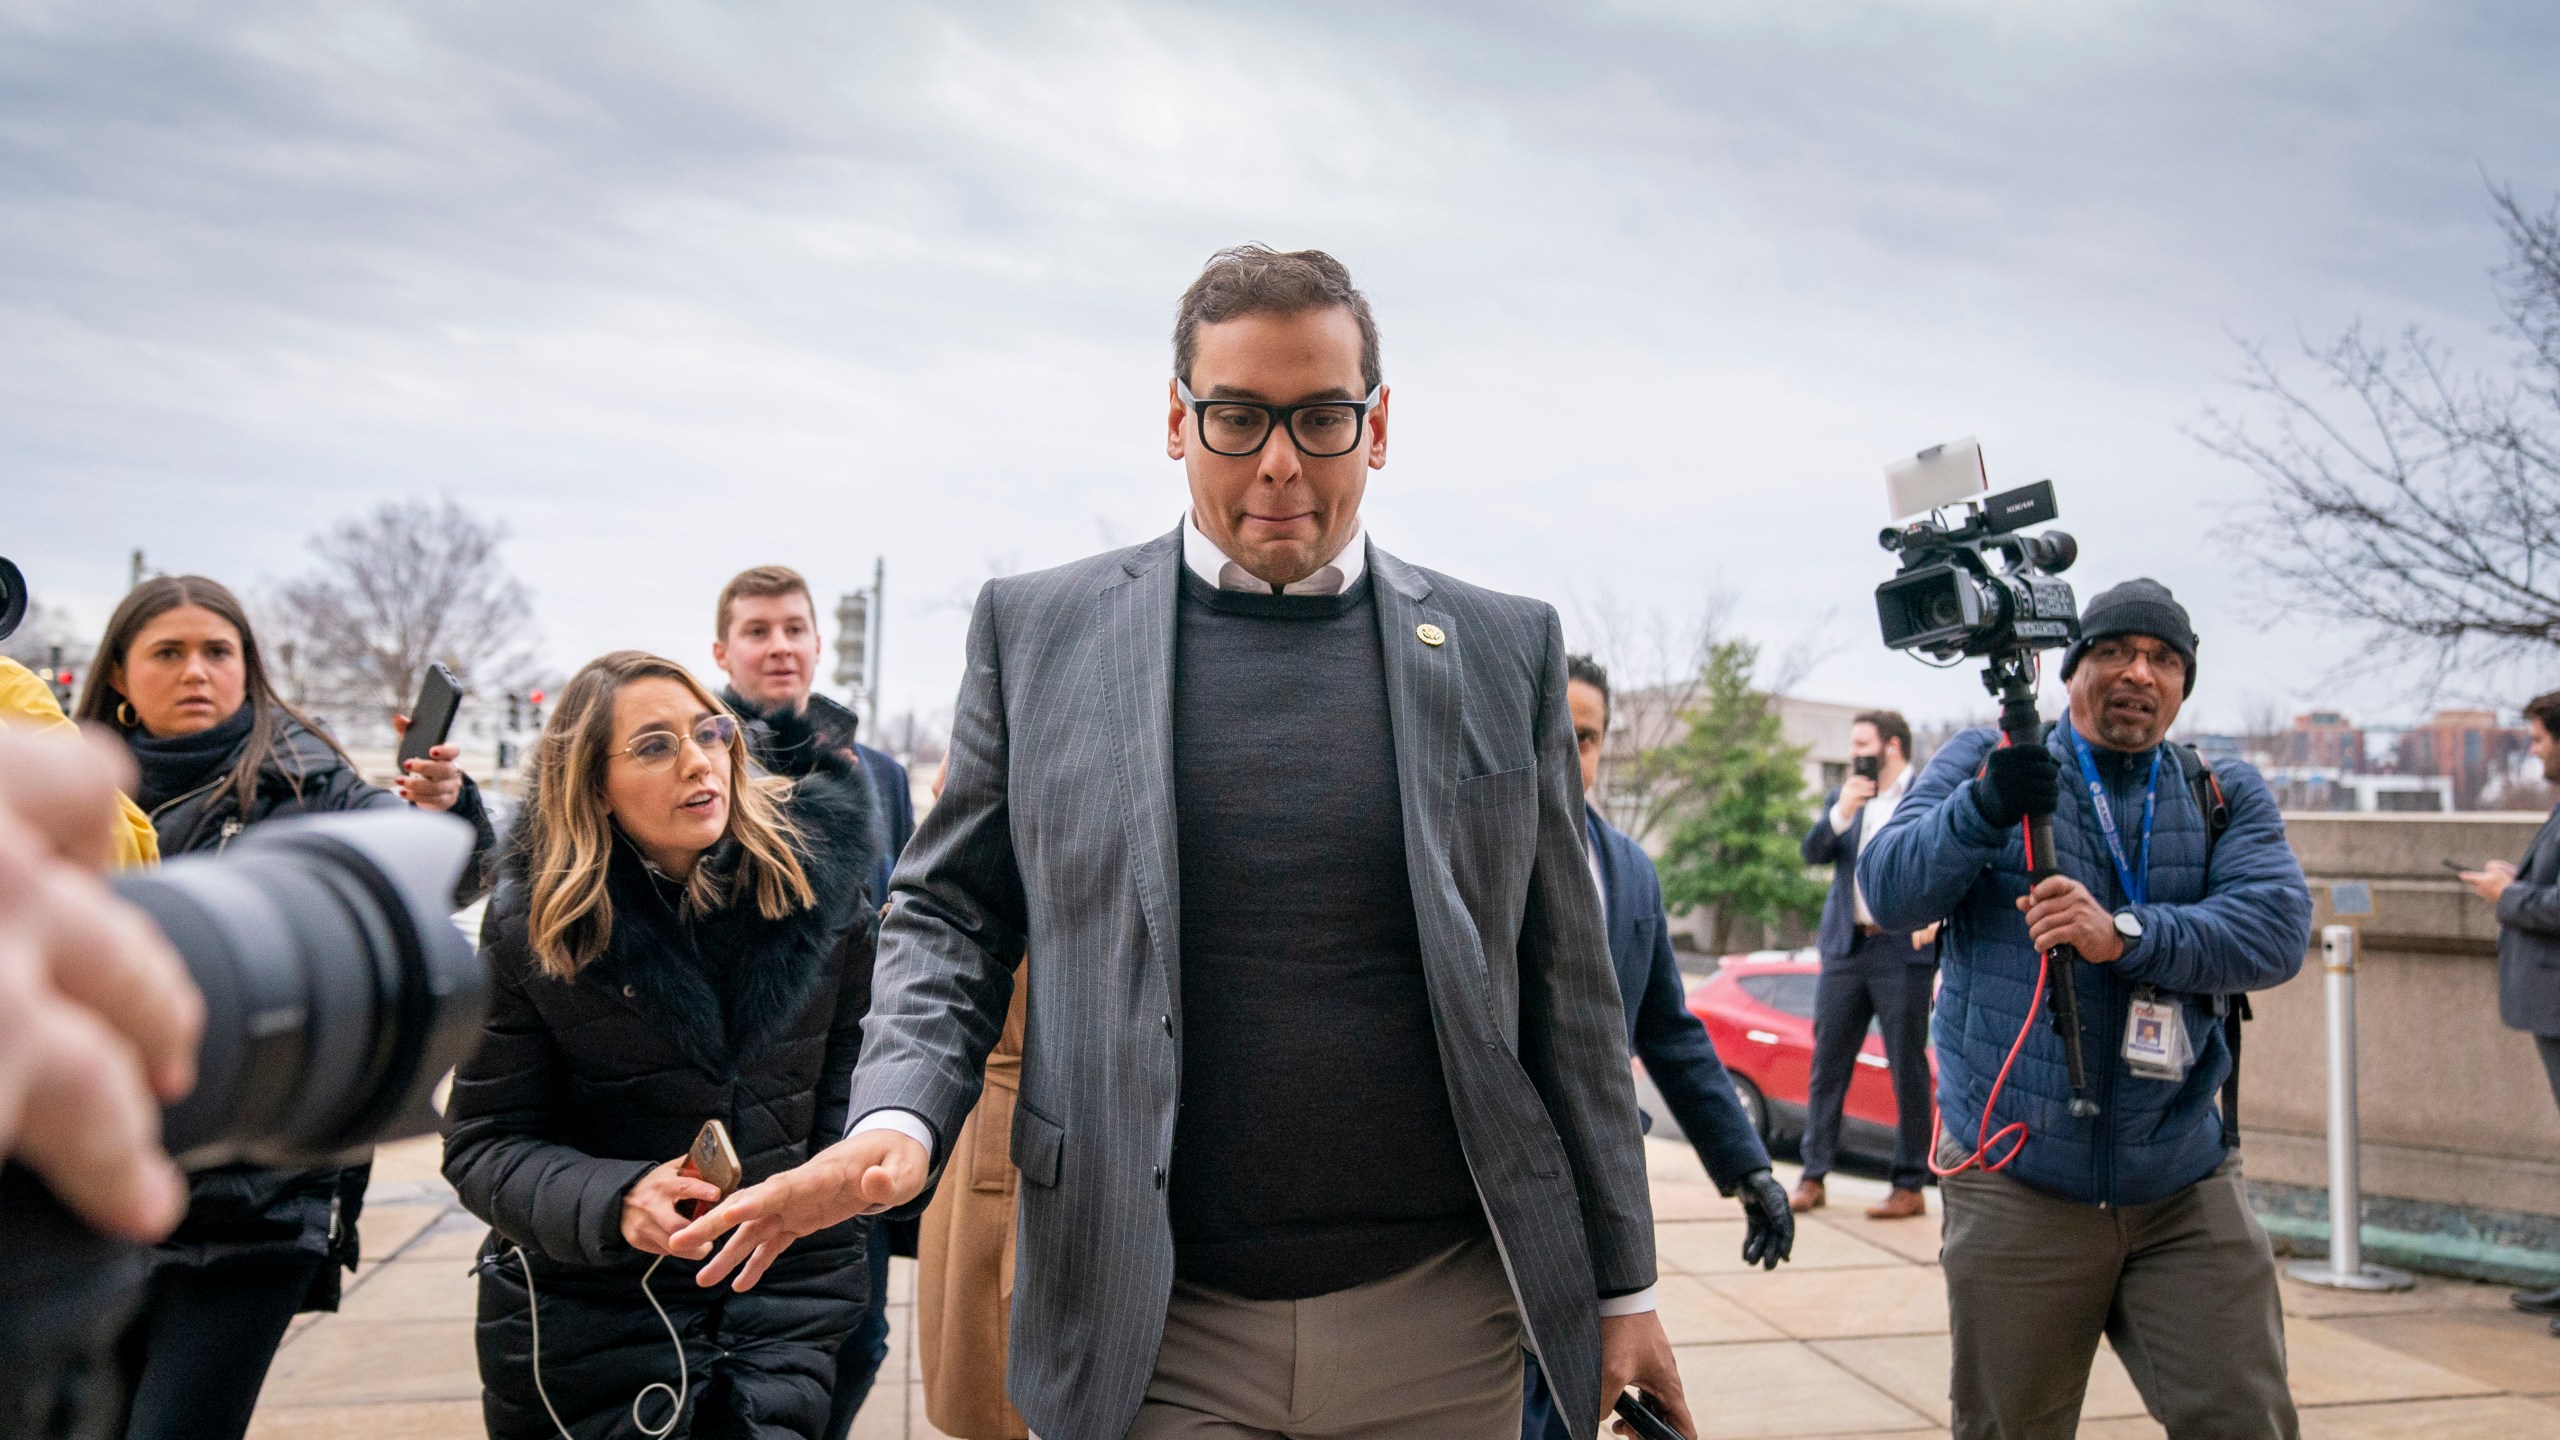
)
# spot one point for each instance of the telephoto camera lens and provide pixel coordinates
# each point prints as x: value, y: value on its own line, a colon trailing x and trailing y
x: 337, y: 989
x: 13, y: 599
x: 337, y: 994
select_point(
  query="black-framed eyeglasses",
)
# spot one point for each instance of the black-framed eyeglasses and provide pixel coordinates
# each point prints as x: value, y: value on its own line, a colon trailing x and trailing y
x: 1321, y: 429
x: 658, y: 749
x: 2120, y: 655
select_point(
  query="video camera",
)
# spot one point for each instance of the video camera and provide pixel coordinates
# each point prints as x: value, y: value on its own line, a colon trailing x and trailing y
x: 338, y: 992
x: 1979, y: 588
x: 1951, y: 600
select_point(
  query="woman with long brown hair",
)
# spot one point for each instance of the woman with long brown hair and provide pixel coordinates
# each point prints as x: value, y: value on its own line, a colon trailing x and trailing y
x: 180, y: 679
x: 674, y: 939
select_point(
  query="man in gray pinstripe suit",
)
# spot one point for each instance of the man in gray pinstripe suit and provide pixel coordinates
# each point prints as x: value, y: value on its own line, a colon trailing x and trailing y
x: 1325, y: 1111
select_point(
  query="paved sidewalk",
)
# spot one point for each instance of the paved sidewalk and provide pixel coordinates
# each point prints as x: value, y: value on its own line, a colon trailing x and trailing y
x: 1849, y: 1340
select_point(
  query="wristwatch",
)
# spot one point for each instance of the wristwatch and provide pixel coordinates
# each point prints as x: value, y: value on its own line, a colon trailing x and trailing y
x: 2128, y: 925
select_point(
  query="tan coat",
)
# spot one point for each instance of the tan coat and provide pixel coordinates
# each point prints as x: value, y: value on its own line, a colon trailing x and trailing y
x: 964, y: 1258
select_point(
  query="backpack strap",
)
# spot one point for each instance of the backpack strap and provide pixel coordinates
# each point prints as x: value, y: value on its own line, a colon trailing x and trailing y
x: 2206, y: 787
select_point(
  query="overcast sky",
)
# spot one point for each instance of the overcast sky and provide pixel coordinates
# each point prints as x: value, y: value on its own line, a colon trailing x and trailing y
x: 675, y: 289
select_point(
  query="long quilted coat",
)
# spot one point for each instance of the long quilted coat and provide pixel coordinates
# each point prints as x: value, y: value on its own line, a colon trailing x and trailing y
x: 580, y: 1087
x: 2243, y: 927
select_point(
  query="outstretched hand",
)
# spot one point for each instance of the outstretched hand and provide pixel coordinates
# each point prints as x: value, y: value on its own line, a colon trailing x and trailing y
x: 863, y: 1174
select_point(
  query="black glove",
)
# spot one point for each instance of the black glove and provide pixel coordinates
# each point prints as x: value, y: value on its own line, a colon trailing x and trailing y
x: 2019, y: 781
x: 1770, y: 1234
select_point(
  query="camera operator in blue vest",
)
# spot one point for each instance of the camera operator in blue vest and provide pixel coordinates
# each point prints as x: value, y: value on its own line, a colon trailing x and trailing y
x: 2130, y: 1223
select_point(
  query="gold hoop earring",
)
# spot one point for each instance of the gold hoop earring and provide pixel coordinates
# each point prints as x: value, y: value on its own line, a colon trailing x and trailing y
x: 124, y: 714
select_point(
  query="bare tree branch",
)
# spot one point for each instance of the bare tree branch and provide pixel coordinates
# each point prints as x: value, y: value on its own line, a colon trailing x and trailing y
x: 1657, y: 668
x: 408, y: 585
x: 2417, y: 504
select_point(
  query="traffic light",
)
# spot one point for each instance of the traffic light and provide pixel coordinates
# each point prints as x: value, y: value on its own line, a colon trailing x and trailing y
x: 515, y: 716
x: 536, y: 698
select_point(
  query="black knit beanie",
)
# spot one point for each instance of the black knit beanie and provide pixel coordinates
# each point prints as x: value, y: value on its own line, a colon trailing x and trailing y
x: 2136, y: 607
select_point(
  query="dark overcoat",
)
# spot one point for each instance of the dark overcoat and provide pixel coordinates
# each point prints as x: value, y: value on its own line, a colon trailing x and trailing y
x: 2529, y: 937
x: 582, y: 1086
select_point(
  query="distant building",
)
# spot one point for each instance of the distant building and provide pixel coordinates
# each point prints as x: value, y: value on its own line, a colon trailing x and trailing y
x: 2467, y: 747
x: 1649, y: 719
x: 2322, y: 788
x: 2325, y: 739
x: 2217, y: 749
x: 1822, y: 728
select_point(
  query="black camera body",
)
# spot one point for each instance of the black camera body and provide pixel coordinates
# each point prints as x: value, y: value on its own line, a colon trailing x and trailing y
x: 1979, y: 588
x: 338, y: 992
x: 13, y: 598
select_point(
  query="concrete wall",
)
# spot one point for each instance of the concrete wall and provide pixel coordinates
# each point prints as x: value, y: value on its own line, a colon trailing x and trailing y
x: 2455, y: 1106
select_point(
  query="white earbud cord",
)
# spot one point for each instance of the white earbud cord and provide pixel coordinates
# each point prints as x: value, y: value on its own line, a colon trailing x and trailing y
x: 675, y: 1393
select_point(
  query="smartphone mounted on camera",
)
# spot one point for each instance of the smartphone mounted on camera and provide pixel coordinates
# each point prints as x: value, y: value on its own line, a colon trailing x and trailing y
x: 431, y: 719
x: 1866, y: 767
x: 716, y: 1160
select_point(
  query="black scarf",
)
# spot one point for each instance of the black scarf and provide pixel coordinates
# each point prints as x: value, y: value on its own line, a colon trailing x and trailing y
x: 782, y: 739
x: 172, y: 767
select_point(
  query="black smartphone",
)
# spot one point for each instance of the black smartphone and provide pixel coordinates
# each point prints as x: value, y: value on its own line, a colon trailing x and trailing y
x: 2456, y: 866
x: 431, y: 719
x: 1866, y: 767
x: 1642, y: 1418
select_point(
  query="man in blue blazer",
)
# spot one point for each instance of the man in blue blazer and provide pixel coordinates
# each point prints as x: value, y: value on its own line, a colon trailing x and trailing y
x: 1678, y: 1056
x: 1869, y: 973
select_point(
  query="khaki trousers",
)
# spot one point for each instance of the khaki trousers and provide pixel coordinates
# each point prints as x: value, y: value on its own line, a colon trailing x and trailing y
x: 2185, y: 1288
x: 1432, y: 1353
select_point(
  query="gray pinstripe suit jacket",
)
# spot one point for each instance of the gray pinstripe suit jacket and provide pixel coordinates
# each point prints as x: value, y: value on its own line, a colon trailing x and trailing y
x: 1055, y: 833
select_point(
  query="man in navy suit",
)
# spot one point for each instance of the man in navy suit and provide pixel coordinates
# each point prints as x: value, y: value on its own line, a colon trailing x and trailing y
x: 1868, y: 974
x: 1678, y: 1056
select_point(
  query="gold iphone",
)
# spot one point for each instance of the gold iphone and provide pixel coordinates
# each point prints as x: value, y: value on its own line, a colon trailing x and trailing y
x: 715, y: 1159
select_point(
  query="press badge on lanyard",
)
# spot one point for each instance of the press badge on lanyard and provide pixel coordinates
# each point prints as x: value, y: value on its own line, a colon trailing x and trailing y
x: 2156, y: 1046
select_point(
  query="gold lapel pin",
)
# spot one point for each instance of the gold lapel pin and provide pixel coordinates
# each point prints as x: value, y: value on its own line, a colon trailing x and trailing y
x: 1431, y: 634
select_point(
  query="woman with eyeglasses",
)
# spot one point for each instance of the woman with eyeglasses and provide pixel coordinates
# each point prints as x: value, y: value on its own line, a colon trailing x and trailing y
x: 180, y: 680
x: 674, y: 939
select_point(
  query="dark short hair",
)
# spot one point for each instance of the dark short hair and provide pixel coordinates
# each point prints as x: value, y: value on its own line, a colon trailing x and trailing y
x: 2544, y: 710
x: 1258, y: 280
x: 756, y: 583
x: 1592, y: 673
x: 1889, y: 726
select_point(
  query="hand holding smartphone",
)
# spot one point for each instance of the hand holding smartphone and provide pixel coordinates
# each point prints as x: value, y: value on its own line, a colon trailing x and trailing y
x: 1643, y: 1419
x: 714, y: 1159
x: 431, y: 718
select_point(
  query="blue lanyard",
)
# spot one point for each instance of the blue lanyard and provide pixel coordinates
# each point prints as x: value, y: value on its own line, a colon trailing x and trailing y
x: 2137, y: 884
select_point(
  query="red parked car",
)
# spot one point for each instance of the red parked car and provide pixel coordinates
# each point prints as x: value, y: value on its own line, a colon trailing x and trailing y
x: 1758, y: 1009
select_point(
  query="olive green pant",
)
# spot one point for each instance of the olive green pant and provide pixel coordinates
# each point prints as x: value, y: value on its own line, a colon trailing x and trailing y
x: 2185, y: 1288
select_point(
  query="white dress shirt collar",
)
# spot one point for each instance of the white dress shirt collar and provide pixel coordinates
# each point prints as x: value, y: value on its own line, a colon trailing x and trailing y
x: 1215, y: 566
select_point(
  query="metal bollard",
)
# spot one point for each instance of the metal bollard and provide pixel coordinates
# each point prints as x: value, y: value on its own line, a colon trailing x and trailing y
x: 2345, y: 1268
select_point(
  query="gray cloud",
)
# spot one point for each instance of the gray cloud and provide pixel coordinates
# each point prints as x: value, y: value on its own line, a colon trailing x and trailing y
x: 683, y: 289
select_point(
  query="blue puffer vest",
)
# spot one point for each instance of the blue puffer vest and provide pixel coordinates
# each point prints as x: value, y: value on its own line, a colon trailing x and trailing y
x: 2243, y: 927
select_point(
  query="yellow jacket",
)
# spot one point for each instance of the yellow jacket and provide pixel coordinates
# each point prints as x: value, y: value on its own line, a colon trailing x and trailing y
x: 26, y: 703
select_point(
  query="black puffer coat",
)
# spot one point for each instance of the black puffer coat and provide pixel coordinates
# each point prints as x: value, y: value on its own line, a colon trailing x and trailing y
x: 238, y: 1213
x: 581, y: 1087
